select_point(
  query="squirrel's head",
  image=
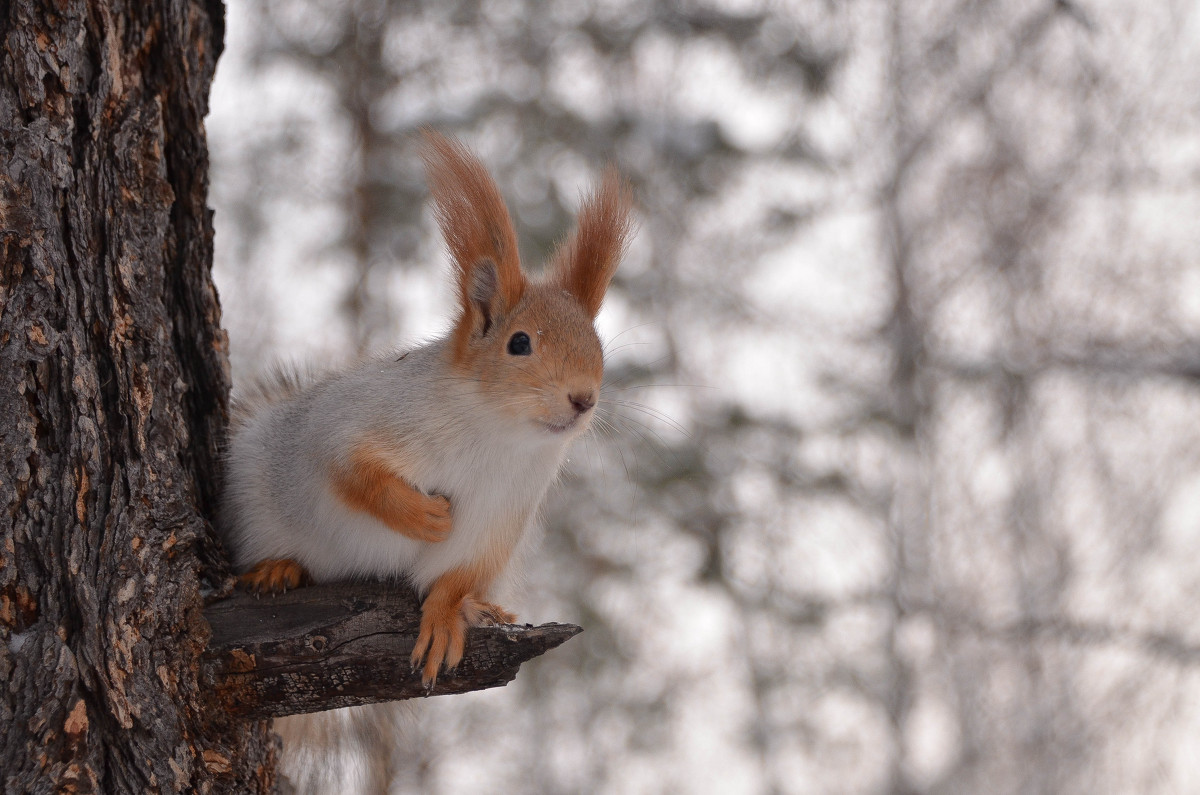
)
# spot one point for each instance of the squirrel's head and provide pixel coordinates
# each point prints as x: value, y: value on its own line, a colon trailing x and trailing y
x: 529, y: 345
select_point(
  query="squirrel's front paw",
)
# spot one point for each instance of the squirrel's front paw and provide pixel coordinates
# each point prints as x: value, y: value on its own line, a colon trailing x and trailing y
x: 274, y: 575
x: 432, y: 519
x: 443, y: 634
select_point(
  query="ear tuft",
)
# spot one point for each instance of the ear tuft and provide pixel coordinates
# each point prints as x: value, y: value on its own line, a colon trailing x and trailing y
x: 584, y: 264
x: 478, y: 231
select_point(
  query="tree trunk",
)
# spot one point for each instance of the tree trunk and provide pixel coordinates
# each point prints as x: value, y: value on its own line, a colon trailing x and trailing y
x: 113, y: 399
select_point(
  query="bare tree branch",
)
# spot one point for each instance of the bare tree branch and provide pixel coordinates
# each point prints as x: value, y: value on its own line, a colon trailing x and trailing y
x: 344, y: 645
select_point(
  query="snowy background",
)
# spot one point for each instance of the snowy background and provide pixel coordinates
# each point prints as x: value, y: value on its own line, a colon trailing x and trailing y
x: 902, y: 493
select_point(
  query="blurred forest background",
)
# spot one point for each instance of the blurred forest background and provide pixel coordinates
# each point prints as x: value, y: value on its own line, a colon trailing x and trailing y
x: 902, y: 490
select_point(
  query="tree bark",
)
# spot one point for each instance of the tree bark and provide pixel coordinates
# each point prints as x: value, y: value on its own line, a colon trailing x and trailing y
x: 113, y: 399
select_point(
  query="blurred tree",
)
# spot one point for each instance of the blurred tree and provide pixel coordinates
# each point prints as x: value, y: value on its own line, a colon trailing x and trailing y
x: 899, y: 453
x: 1008, y: 133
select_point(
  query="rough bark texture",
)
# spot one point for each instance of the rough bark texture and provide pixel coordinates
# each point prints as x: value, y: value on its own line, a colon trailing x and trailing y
x: 113, y: 391
x: 343, y: 645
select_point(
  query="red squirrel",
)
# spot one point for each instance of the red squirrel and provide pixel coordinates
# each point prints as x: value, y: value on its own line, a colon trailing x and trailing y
x: 430, y: 466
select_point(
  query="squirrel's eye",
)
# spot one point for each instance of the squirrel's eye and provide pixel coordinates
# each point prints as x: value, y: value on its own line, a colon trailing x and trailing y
x: 518, y: 344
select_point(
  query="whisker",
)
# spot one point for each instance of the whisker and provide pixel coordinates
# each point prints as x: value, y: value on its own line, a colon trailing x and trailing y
x: 651, y: 439
x: 655, y: 413
x: 615, y: 442
x: 611, y: 388
x: 631, y: 328
x: 603, y: 425
x: 610, y: 351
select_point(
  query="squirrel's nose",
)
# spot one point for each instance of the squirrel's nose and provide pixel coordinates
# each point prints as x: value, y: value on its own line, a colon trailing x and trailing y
x: 582, y: 401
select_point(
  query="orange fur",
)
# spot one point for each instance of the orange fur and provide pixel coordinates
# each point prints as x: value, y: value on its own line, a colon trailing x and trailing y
x: 475, y: 223
x: 570, y: 344
x: 274, y: 575
x: 365, y: 483
x: 584, y: 264
x: 455, y: 602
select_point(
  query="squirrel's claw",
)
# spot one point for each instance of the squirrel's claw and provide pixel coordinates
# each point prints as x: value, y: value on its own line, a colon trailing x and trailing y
x: 479, y: 613
x: 440, y: 642
x: 274, y: 575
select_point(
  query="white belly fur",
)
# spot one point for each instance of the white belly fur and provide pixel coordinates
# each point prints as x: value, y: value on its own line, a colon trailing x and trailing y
x: 494, y: 489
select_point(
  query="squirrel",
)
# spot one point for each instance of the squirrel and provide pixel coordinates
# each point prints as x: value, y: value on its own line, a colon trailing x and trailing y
x: 430, y: 466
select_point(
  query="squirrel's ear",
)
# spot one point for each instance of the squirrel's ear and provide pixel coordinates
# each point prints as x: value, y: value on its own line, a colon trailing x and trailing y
x: 584, y: 263
x: 483, y: 292
x: 478, y: 231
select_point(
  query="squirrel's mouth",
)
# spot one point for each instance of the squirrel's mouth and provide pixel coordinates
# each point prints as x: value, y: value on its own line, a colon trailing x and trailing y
x: 561, y: 426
